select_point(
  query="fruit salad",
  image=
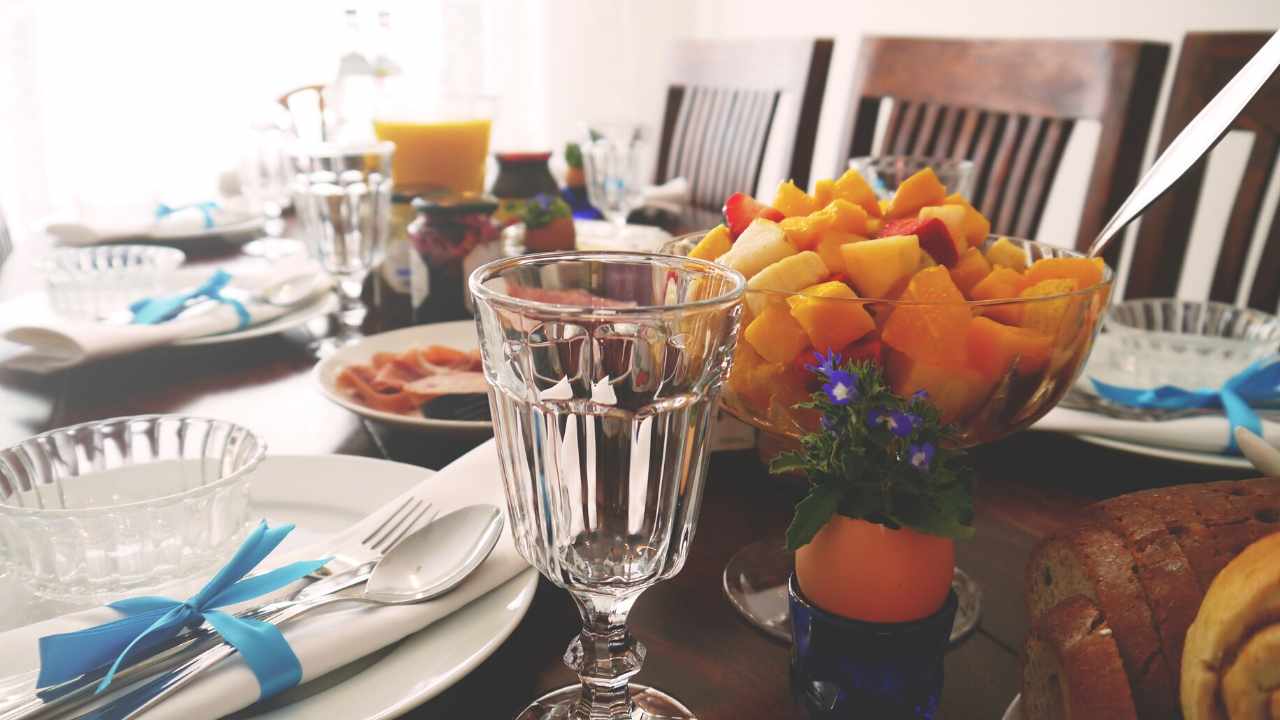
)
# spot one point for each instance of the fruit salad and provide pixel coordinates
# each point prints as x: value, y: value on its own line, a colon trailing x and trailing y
x: 991, y: 329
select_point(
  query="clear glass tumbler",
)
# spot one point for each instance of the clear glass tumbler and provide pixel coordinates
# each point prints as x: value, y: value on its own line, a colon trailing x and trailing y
x: 605, y: 372
x: 343, y: 196
x: 612, y: 158
x: 886, y: 172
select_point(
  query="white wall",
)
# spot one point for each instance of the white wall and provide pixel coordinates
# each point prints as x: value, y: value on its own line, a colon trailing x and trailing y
x: 1161, y: 20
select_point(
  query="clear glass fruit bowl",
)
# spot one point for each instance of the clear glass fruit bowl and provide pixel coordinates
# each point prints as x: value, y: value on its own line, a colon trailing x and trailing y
x: 991, y: 367
x: 1151, y: 342
x: 95, y: 282
x: 92, y: 511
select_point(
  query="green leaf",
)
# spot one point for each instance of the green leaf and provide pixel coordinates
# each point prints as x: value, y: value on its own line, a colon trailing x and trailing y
x: 812, y: 513
x: 573, y: 155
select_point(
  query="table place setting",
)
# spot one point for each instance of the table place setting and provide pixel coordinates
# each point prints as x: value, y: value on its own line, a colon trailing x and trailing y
x: 431, y: 565
x: 178, y: 223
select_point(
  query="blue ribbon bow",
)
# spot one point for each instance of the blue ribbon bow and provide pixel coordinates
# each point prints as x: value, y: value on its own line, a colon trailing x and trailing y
x: 1258, y: 384
x: 150, y: 311
x: 150, y: 620
x: 206, y: 208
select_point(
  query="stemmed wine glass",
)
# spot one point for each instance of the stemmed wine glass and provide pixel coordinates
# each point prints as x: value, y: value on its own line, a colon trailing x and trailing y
x: 611, y: 160
x: 886, y: 172
x: 605, y: 372
x: 342, y: 194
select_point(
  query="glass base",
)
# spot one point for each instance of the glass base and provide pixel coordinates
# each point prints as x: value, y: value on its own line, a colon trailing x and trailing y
x: 755, y: 581
x: 274, y: 248
x: 650, y: 704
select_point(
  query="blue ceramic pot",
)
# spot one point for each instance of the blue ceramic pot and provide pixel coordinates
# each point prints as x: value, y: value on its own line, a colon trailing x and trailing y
x: 842, y: 668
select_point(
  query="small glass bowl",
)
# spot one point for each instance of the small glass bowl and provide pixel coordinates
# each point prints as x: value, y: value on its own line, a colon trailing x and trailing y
x: 93, y: 283
x: 1190, y: 344
x: 886, y: 172
x: 92, y: 511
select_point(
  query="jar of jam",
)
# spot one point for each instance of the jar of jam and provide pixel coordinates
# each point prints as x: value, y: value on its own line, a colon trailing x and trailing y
x: 521, y: 176
x: 451, y: 236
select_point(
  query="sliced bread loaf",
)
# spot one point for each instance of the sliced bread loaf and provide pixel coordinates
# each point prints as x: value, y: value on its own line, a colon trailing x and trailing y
x: 1094, y: 562
x: 1071, y: 667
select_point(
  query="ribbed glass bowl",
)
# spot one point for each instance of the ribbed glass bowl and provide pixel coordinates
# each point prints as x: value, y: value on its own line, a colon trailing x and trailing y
x: 94, y: 282
x: 91, y: 511
x: 1191, y: 344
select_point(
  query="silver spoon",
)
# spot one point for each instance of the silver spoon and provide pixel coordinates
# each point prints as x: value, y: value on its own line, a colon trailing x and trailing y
x: 1259, y: 452
x: 1196, y: 138
x: 425, y: 565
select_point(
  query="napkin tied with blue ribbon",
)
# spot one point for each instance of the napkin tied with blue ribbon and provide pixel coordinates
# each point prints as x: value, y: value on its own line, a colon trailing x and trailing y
x: 206, y: 209
x: 150, y: 311
x: 151, y: 619
x: 1258, y: 384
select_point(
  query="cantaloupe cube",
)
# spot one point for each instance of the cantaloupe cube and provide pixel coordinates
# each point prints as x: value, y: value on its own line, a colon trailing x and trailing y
x: 1048, y: 315
x: 804, y: 231
x: 969, y: 270
x: 921, y: 189
x: 853, y: 187
x: 824, y: 192
x: 953, y: 388
x: 830, y: 316
x: 791, y: 201
x: 752, y: 377
x: 993, y: 347
x: 875, y: 266
x: 1001, y: 284
x: 759, y: 246
x: 1005, y: 253
x: 829, y: 248
x: 847, y: 217
x: 976, y: 225
x: 1087, y: 272
x: 788, y: 275
x: 951, y: 216
x: 932, y: 320
x: 776, y: 336
x: 712, y: 245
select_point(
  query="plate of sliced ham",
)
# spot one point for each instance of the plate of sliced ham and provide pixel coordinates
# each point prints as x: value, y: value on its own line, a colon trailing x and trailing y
x: 427, y: 377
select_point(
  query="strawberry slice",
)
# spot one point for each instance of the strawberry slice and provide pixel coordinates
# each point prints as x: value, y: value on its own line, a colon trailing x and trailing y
x: 934, y: 237
x: 740, y: 209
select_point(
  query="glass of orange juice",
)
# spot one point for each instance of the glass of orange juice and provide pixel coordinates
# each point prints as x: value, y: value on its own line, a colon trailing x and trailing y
x: 441, y: 144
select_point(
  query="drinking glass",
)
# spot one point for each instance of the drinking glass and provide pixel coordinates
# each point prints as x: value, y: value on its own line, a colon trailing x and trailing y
x: 264, y: 184
x: 611, y: 160
x: 343, y: 196
x: 886, y: 172
x: 604, y: 374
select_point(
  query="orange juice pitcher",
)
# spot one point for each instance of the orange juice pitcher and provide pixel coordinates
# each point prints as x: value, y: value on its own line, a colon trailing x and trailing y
x: 443, y: 147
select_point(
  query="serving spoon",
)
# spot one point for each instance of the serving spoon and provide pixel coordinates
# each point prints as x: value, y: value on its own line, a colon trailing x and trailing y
x: 1201, y: 134
x: 425, y: 565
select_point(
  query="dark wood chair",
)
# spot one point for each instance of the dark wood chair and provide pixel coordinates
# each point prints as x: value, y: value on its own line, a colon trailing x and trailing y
x: 732, y: 106
x: 1205, y: 64
x: 1010, y: 106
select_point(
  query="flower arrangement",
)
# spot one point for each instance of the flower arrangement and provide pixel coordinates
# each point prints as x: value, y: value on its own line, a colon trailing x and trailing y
x: 548, y: 222
x: 888, y: 496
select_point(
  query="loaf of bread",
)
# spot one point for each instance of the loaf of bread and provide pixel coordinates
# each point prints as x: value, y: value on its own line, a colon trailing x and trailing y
x: 1072, y: 657
x: 1231, y: 668
x: 1143, y: 561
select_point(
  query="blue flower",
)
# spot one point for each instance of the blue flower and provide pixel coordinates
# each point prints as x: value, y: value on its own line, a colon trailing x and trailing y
x: 920, y: 455
x: 920, y: 395
x: 842, y: 389
x: 827, y: 364
x: 898, y: 423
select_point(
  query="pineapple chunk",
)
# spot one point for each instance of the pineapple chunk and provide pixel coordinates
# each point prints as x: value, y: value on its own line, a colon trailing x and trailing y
x: 791, y: 201
x: 776, y: 336
x: 829, y: 248
x: 712, y: 245
x: 875, y: 266
x: 788, y: 275
x: 1005, y: 253
x: 759, y: 246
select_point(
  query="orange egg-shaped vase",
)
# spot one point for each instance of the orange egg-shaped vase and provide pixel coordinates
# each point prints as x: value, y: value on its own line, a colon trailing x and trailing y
x: 866, y: 571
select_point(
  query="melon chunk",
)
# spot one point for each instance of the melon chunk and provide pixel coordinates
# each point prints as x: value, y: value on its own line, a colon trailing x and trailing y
x: 712, y: 245
x: 788, y: 275
x: 830, y: 316
x: 759, y: 246
x: 954, y: 389
x: 775, y: 335
x: 875, y: 266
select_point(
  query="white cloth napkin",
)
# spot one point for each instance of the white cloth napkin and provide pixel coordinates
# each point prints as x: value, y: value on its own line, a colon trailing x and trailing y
x: 672, y: 195
x: 329, y: 637
x: 1205, y: 433
x: 109, y: 224
x: 41, y: 341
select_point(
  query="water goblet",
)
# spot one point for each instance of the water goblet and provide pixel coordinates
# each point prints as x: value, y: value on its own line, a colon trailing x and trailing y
x: 604, y: 374
x: 886, y: 172
x: 343, y: 197
x: 611, y: 161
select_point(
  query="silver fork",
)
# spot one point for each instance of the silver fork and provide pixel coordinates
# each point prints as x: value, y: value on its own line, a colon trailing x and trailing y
x: 74, y: 693
x: 1077, y: 399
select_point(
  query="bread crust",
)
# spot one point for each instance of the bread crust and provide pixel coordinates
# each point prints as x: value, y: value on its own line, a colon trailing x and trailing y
x: 1073, y: 642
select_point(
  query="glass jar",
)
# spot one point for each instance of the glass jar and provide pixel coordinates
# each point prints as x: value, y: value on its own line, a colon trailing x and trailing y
x: 521, y: 176
x: 451, y: 236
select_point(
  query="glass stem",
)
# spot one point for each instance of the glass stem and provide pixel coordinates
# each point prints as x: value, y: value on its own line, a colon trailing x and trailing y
x: 605, y: 657
x: 351, y: 309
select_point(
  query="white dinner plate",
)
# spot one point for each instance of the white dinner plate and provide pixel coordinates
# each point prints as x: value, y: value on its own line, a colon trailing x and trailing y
x: 460, y: 334
x: 324, y: 304
x: 603, y: 235
x: 1015, y: 709
x: 1187, y: 456
x: 235, y: 231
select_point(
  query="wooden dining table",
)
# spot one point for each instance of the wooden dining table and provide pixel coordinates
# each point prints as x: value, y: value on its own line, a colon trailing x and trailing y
x: 699, y: 649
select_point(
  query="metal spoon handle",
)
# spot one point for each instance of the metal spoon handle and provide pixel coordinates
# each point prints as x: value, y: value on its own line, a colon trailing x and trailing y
x: 140, y: 699
x: 1194, y: 141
